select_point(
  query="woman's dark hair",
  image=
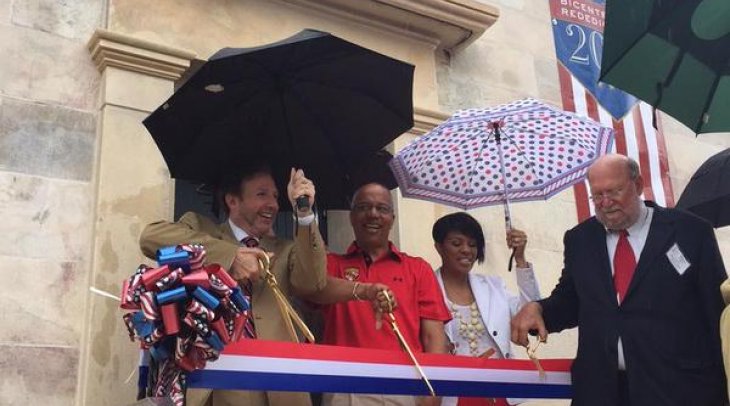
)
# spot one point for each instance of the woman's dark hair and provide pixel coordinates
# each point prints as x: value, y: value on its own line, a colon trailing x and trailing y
x: 462, y: 223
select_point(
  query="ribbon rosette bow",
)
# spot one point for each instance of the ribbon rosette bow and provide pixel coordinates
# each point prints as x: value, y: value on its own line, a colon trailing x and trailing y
x: 183, y: 314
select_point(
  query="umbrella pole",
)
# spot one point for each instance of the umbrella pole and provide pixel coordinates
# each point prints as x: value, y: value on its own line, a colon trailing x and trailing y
x: 508, y: 227
x: 505, y: 201
x: 507, y: 216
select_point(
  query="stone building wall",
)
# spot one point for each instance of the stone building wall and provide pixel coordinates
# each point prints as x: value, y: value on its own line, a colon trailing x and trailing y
x: 48, y: 144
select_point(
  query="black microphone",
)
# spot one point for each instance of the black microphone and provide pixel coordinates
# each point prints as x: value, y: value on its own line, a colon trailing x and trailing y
x: 302, y: 203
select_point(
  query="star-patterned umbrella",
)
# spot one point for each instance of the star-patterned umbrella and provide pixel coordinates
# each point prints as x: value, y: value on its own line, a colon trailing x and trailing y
x: 524, y: 150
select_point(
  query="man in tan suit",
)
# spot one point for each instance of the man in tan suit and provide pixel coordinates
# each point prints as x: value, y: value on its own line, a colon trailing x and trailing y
x: 250, y: 200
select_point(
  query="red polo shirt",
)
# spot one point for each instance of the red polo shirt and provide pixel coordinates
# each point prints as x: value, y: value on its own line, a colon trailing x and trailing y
x: 415, y: 287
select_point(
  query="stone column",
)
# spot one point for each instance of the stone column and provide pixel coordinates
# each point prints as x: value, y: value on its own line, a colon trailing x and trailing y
x: 133, y: 188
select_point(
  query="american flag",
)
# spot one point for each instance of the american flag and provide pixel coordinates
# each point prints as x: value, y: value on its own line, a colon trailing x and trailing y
x: 577, y: 28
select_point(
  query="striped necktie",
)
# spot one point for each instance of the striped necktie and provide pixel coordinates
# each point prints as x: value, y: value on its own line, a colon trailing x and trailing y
x: 249, y: 326
x: 250, y: 242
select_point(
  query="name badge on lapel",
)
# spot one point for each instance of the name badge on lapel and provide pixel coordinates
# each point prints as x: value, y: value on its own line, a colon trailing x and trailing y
x: 677, y: 259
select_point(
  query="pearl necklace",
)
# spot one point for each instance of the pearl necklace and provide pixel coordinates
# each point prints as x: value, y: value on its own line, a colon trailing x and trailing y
x: 470, y: 330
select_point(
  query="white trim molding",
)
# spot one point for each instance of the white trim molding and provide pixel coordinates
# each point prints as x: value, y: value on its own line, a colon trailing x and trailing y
x: 450, y: 25
x: 425, y: 120
x: 109, y: 48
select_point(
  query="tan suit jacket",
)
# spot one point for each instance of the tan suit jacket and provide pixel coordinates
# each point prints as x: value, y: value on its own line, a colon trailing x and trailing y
x: 299, y: 267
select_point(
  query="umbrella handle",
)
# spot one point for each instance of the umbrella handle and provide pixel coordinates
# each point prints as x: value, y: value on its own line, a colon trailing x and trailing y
x: 302, y: 203
x: 511, y: 260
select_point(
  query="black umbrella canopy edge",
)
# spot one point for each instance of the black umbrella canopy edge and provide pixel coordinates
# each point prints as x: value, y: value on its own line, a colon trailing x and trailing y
x: 375, y: 169
x: 707, y: 194
x: 172, y: 151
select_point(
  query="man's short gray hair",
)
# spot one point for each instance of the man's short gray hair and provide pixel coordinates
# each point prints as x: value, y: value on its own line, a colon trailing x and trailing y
x: 633, y: 168
x: 361, y: 187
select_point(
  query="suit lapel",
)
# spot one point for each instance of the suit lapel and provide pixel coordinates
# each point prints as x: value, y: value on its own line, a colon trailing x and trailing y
x: 660, y: 232
x: 484, y: 298
x: 227, y: 233
x: 597, y: 242
x: 267, y: 244
x: 450, y: 326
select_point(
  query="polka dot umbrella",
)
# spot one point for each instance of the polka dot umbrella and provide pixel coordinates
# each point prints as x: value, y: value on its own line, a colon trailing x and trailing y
x: 524, y: 150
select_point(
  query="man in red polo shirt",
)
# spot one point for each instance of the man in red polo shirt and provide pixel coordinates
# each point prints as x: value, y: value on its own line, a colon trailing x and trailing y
x: 372, y: 260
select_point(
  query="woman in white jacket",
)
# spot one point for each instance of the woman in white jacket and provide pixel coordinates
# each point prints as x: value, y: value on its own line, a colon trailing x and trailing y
x: 480, y: 305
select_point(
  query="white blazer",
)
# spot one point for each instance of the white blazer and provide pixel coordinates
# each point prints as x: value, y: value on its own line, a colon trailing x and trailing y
x: 497, y: 306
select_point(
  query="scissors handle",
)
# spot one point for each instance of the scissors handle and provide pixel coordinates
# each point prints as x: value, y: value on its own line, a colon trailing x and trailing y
x: 532, y: 354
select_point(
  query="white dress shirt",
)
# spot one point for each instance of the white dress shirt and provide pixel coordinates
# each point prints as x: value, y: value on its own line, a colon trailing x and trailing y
x: 637, y: 239
x: 238, y: 232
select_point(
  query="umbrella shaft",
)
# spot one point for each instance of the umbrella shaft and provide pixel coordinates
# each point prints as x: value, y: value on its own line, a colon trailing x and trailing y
x: 507, y: 215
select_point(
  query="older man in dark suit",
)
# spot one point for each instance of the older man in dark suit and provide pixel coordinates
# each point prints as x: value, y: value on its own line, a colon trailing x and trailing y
x: 642, y: 283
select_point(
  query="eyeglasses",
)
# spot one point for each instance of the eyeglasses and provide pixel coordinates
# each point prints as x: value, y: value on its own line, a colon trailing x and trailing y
x: 612, y: 194
x: 382, y: 209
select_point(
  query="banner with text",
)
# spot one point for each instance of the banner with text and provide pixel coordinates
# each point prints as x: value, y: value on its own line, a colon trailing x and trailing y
x: 578, y: 33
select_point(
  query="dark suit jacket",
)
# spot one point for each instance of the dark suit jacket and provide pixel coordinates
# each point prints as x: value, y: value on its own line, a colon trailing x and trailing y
x: 668, y: 322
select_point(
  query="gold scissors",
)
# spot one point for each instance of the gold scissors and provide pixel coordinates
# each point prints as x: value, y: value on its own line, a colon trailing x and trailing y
x: 287, y: 311
x: 532, y: 354
x: 404, y: 344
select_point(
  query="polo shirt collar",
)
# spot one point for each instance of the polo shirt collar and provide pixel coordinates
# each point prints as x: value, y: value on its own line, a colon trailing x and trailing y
x: 395, y: 254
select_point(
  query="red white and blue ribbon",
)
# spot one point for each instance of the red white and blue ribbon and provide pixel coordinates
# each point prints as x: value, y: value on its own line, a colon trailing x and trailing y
x: 183, y: 314
x: 284, y: 366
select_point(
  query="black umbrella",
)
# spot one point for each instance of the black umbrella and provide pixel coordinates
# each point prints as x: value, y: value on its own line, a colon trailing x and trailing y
x: 708, y: 192
x: 203, y: 197
x: 311, y: 101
